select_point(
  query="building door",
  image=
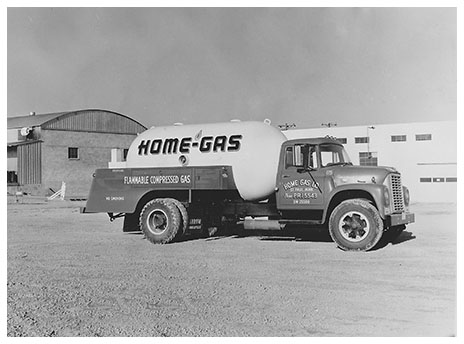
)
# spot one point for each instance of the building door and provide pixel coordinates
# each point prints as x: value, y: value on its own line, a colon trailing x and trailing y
x: 30, y: 163
x: 12, y: 165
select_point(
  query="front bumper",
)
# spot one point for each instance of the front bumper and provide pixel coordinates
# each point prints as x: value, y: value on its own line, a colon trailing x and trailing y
x: 399, y: 219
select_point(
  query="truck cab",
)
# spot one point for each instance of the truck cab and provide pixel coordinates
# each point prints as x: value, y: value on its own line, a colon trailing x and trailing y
x: 316, y: 176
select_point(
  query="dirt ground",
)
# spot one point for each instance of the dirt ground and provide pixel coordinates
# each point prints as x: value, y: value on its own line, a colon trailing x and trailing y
x: 72, y: 274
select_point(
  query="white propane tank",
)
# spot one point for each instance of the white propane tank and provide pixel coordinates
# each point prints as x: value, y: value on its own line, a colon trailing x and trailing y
x: 251, y: 148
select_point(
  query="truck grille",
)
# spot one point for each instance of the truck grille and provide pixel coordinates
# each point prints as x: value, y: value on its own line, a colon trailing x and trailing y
x: 397, y: 193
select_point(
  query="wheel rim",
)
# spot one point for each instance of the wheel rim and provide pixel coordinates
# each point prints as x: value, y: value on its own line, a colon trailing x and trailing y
x: 354, y: 226
x: 157, y: 222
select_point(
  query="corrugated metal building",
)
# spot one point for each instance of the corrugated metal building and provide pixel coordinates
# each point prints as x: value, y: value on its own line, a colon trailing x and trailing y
x: 47, y: 149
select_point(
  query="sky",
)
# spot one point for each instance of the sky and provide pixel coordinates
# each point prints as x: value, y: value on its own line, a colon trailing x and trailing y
x: 303, y: 66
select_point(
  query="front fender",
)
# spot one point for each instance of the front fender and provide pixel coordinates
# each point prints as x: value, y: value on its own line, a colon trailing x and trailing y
x: 373, y: 192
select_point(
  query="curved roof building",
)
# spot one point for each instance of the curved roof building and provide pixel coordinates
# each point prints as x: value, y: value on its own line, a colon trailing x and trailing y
x: 45, y: 150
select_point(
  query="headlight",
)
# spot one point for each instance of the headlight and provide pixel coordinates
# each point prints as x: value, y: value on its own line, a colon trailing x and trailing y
x: 406, y: 195
x: 386, y: 197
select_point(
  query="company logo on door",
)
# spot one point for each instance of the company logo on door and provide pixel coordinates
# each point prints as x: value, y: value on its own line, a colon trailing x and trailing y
x: 305, y: 184
x: 301, y: 191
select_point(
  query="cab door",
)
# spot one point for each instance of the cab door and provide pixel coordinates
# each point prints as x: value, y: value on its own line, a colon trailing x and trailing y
x: 298, y: 189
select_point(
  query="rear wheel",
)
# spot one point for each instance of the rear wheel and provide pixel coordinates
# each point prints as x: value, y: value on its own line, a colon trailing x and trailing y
x: 355, y: 225
x: 160, y: 221
x: 184, y: 216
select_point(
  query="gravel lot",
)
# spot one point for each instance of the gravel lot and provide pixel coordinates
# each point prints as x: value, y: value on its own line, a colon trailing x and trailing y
x: 72, y: 274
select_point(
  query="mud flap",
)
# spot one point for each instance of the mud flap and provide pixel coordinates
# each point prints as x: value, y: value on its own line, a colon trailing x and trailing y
x: 131, y: 223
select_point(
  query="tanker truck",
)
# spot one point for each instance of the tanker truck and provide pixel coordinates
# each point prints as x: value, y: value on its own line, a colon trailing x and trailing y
x: 185, y: 177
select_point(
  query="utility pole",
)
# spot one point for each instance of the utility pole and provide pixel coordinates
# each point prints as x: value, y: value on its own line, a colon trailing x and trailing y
x: 286, y: 126
x: 329, y: 125
x: 368, y: 139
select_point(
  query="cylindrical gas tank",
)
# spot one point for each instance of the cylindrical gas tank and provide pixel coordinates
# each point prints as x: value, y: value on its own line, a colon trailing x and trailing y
x: 251, y: 148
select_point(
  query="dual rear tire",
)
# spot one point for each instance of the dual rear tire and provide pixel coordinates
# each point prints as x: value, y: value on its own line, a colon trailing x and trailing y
x: 163, y: 220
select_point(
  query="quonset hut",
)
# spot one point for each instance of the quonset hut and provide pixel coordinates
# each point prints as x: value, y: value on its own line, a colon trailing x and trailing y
x: 45, y: 150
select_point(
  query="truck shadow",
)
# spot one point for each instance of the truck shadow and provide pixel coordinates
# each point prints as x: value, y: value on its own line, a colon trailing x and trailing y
x: 291, y: 234
x: 388, y: 239
x: 311, y: 235
x: 404, y: 236
x: 296, y: 234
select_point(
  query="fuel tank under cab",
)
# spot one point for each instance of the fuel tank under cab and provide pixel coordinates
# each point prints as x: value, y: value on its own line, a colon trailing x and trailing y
x: 251, y: 148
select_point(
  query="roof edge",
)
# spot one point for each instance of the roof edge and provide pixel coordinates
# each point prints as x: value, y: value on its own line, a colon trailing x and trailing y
x: 70, y: 113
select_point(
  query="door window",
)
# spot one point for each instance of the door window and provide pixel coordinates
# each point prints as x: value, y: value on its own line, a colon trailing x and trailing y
x: 291, y: 160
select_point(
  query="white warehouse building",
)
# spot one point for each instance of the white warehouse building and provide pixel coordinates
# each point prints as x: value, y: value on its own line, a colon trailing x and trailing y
x: 425, y: 153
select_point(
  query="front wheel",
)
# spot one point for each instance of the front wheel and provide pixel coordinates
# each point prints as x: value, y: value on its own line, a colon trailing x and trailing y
x: 355, y: 225
x: 160, y: 221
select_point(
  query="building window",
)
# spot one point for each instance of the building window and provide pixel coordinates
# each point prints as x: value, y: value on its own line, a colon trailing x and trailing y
x: 439, y: 180
x: 368, y: 158
x: 342, y: 140
x: 361, y: 140
x: 124, y: 154
x: 425, y: 180
x: 423, y: 137
x: 398, y: 138
x: 73, y: 153
x: 12, y: 177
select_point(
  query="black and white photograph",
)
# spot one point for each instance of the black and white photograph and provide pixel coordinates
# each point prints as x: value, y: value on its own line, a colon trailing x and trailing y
x: 259, y: 172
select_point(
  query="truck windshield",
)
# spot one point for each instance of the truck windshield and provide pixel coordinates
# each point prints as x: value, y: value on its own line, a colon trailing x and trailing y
x: 333, y: 154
